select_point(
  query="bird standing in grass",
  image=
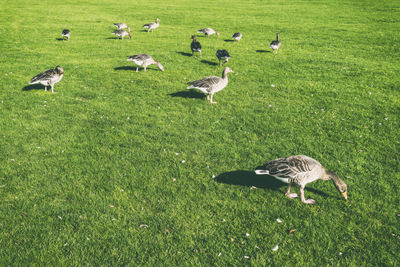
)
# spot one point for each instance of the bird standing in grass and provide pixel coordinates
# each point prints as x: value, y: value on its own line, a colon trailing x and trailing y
x: 152, y: 26
x: 275, y: 44
x: 223, y: 55
x: 237, y: 36
x: 66, y: 34
x: 144, y: 60
x: 195, y: 46
x: 211, y: 84
x: 208, y: 32
x: 122, y: 33
x: 300, y: 170
x: 122, y: 26
x: 49, y: 78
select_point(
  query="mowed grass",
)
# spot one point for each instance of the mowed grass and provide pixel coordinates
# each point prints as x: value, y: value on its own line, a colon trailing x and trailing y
x: 117, y: 167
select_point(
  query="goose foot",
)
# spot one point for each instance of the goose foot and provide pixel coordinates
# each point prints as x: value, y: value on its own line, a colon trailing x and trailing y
x: 291, y: 195
x: 288, y: 194
x: 309, y: 201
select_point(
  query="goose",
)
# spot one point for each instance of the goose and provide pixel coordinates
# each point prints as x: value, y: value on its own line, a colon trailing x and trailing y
x: 152, y: 26
x: 300, y: 170
x: 48, y: 78
x: 66, y: 34
x: 211, y: 84
x: 122, y: 33
x: 237, y: 36
x: 195, y: 46
x: 223, y: 55
x: 275, y: 44
x: 208, y: 32
x: 144, y: 60
x: 122, y: 26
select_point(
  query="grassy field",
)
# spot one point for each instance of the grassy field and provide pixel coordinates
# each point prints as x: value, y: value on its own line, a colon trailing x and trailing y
x: 119, y: 167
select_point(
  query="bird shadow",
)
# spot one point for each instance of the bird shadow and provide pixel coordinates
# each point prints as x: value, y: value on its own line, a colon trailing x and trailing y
x: 33, y: 87
x: 229, y: 40
x: 263, y: 51
x: 60, y: 39
x: 125, y: 68
x: 209, y: 62
x: 249, y: 179
x: 187, y: 94
x: 112, y: 38
x: 134, y: 68
x: 184, y: 54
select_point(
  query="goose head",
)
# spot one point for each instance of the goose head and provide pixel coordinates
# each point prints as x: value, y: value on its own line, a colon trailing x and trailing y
x: 59, y: 70
x: 339, y: 184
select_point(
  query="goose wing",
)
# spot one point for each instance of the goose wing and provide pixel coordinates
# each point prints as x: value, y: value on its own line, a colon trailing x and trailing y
x: 44, y: 76
x: 206, y: 83
x: 148, y: 25
x: 291, y: 166
x: 223, y: 54
x: 195, y: 46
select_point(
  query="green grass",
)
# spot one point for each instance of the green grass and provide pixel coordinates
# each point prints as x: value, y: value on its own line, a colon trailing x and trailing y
x: 81, y: 170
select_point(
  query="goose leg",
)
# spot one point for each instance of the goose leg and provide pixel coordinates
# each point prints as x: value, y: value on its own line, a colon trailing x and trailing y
x: 211, y: 101
x: 200, y: 53
x: 52, y: 88
x: 137, y: 69
x: 145, y: 69
x: 45, y: 88
x: 288, y: 194
x: 308, y: 201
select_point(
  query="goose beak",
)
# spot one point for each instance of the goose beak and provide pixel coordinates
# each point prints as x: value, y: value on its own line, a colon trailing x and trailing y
x: 344, y: 194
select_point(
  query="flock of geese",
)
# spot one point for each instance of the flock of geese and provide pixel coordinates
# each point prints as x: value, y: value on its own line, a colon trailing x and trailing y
x: 299, y: 170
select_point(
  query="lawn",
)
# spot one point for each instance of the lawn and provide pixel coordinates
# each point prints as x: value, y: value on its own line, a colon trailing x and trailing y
x: 119, y: 167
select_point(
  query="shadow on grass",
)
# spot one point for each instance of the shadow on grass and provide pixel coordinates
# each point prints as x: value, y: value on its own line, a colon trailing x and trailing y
x: 125, y: 68
x: 112, y: 38
x: 188, y: 94
x: 263, y: 51
x: 229, y: 40
x: 184, y: 54
x: 34, y: 87
x: 209, y: 62
x: 249, y: 179
x: 60, y: 39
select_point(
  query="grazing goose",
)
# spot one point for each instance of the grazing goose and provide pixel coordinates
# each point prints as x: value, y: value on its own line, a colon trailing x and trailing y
x: 211, y: 84
x: 275, y: 44
x: 66, y: 34
x: 152, y: 26
x: 195, y: 46
x: 223, y: 55
x: 122, y: 26
x: 208, y: 32
x: 237, y: 36
x: 122, y: 33
x: 49, y: 78
x: 301, y: 170
x: 144, y: 60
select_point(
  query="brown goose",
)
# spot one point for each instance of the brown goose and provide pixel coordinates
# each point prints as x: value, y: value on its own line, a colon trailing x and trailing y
x: 122, y: 26
x: 144, y: 60
x: 301, y: 170
x: 49, y: 77
x: 208, y: 32
x: 151, y: 26
x: 237, y: 36
x: 275, y: 44
x: 122, y: 33
x: 211, y: 84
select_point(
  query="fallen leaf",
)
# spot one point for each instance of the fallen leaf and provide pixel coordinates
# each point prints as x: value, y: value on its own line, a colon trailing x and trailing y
x: 275, y: 248
x: 143, y: 226
x: 279, y: 220
x: 291, y: 231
